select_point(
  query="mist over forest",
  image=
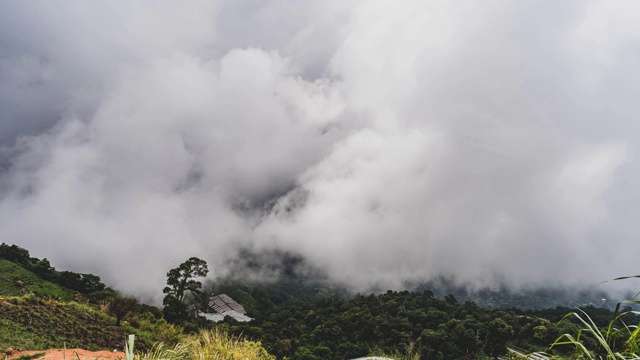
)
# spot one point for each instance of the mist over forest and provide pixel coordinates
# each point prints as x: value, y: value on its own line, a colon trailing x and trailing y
x: 381, y: 143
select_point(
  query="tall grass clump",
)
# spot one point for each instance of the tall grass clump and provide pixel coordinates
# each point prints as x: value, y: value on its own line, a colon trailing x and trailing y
x: 219, y: 345
x: 161, y: 351
x: 210, y: 345
x: 412, y: 352
x: 618, y: 341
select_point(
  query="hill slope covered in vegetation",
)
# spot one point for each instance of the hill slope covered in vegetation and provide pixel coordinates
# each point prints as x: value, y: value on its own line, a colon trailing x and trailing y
x: 295, y: 318
x: 15, y: 280
x: 36, y: 324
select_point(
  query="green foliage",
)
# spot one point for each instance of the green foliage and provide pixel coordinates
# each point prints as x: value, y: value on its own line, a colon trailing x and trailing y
x: 15, y: 280
x: 160, y: 351
x: 88, y: 285
x: 82, y: 283
x: 174, y: 311
x: 211, y: 345
x: 44, y: 270
x: 498, y: 334
x: 412, y: 352
x: 399, y: 324
x: 219, y: 345
x: 179, y: 281
x: 261, y: 298
x: 37, y: 324
x: 15, y: 254
x: 29, y: 322
x: 153, y: 329
x: 121, y: 307
x: 101, y: 296
x: 616, y: 341
x: 31, y: 357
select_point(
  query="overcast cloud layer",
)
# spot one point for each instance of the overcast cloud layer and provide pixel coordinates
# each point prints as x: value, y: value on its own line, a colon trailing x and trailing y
x: 383, y: 141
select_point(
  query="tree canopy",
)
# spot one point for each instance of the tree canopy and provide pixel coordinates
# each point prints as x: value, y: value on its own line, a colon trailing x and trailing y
x: 179, y: 281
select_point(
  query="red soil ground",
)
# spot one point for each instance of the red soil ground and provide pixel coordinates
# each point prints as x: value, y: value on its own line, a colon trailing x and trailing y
x: 71, y: 354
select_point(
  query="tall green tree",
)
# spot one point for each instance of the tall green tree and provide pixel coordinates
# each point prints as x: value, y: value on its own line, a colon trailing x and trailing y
x: 179, y: 281
x: 121, y: 307
x: 498, y: 333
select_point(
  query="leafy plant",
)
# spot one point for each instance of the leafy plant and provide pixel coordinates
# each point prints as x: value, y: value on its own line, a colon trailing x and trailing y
x: 129, y: 347
x: 618, y: 341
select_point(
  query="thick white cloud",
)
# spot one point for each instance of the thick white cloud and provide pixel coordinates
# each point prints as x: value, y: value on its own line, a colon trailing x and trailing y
x: 382, y: 141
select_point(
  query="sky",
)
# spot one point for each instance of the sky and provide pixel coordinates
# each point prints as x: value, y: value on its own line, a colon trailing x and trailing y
x: 384, y: 142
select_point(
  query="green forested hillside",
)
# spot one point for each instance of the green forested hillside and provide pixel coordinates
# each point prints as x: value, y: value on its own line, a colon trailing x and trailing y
x: 302, y: 320
x: 38, y: 308
x: 88, y: 286
x: 15, y: 280
x: 392, y: 322
x: 295, y: 318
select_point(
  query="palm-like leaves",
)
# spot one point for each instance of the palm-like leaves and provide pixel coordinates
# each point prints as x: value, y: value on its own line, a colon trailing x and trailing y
x: 606, y: 339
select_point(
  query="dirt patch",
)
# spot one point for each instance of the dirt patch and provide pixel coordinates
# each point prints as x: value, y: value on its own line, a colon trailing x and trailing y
x: 70, y: 354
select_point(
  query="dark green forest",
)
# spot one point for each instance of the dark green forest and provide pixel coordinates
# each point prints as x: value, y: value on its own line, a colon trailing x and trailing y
x: 335, y: 328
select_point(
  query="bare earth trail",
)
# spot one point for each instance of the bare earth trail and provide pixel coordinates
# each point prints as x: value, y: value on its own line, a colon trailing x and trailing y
x: 70, y: 354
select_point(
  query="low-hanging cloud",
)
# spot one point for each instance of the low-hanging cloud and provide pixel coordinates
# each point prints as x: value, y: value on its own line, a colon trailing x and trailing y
x: 383, y: 142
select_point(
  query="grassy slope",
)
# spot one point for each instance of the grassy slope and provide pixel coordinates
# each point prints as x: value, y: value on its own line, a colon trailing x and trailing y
x: 16, y: 280
x: 36, y: 324
x: 28, y: 321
